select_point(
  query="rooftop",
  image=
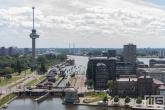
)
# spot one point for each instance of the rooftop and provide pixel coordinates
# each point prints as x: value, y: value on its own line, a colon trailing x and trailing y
x: 157, y: 81
x: 71, y: 90
x: 126, y: 79
x: 144, y: 76
x: 102, y: 58
x: 161, y: 87
x: 100, y: 64
x: 152, y: 70
x: 51, y: 78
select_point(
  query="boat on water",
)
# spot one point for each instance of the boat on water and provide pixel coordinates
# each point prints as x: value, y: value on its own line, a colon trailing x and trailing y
x: 5, y: 106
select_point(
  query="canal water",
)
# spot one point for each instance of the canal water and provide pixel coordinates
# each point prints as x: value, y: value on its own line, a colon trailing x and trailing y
x: 146, y: 60
x: 80, y: 68
x: 51, y: 103
x: 55, y: 103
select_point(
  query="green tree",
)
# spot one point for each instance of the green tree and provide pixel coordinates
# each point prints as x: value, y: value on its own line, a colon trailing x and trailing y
x: 19, y: 67
x: 7, y: 70
x: 116, y: 98
x: 105, y: 98
x: 32, y: 69
x: 127, y: 99
x: 89, y: 73
x: 89, y: 54
x: 62, y: 57
x: 90, y: 82
x: 110, y: 84
x: 41, y: 59
x: 43, y: 69
x: 8, y: 76
x: 139, y: 100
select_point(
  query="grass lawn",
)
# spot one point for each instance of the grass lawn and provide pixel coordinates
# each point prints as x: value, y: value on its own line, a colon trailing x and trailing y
x: 42, y: 77
x: 6, y: 98
x: 71, y: 80
x: 94, y: 96
x: 31, y: 83
x: 34, y: 81
x: 58, y: 78
x: 18, y: 82
x: 28, y: 71
x: 4, y: 82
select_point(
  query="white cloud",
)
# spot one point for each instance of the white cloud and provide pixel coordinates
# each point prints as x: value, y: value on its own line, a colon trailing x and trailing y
x: 103, y: 23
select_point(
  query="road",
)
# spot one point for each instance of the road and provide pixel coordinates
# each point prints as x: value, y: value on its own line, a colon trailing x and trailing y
x: 80, y: 83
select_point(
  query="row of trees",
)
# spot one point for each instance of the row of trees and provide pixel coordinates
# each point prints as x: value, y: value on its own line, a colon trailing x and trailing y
x: 44, y: 61
x: 128, y: 99
x: 19, y: 63
x: 94, y: 53
x: 14, y: 63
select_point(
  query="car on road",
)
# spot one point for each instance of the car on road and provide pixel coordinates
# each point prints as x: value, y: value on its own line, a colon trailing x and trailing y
x: 102, y: 103
x: 30, y: 88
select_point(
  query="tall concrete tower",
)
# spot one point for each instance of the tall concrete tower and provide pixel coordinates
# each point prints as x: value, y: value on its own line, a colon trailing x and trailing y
x: 161, y: 53
x: 129, y: 53
x: 33, y: 36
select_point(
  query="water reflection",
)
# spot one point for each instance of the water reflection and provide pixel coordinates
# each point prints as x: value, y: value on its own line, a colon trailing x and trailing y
x: 27, y: 103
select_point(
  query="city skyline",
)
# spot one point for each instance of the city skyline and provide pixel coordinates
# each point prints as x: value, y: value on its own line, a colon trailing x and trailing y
x: 104, y: 24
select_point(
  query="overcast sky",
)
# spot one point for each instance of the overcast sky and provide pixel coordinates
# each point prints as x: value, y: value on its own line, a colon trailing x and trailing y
x: 87, y: 23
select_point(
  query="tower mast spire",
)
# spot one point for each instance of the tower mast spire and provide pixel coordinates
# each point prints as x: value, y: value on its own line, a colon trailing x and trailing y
x: 33, y: 16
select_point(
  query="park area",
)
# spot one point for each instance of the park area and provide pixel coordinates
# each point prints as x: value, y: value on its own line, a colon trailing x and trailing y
x: 4, y: 81
x: 94, y: 96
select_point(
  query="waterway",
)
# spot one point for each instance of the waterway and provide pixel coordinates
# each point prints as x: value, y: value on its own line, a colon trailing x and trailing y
x: 51, y: 103
x: 146, y: 60
x: 80, y: 68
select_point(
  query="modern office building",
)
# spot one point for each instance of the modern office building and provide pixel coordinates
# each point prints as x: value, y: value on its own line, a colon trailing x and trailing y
x: 101, y: 76
x: 161, y: 53
x: 157, y: 63
x: 11, y: 50
x: 111, y: 53
x: 129, y: 53
x: 104, y: 53
x: 125, y: 68
x: 26, y: 50
x: 110, y: 67
x: 3, y: 51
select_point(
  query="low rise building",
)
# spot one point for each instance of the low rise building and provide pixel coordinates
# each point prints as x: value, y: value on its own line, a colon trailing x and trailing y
x: 71, y: 96
x: 52, y: 79
x: 126, y: 86
x: 144, y: 85
x: 153, y: 63
x: 155, y: 85
x: 71, y: 61
x: 161, y: 90
x: 157, y: 73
